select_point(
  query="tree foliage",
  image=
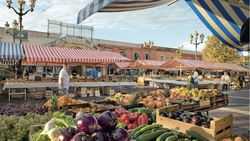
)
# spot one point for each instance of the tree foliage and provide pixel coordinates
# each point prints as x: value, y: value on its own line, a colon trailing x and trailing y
x: 216, y: 51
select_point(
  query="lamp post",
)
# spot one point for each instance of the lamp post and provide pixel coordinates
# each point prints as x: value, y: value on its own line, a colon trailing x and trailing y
x: 196, y: 39
x: 16, y: 30
x: 20, y: 11
x: 12, y: 30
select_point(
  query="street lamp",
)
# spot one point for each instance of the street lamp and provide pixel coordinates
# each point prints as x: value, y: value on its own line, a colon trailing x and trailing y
x: 18, y: 26
x: 13, y: 31
x: 196, y: 39
x: 20, y: 11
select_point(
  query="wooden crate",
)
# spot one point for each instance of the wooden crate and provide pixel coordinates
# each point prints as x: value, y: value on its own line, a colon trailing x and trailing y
x: 219, y: 127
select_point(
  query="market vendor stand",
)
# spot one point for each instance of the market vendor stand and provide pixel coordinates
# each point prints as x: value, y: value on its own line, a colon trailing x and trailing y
x: 25, y: 85
x: 175, y: 83
x: 218, y: 128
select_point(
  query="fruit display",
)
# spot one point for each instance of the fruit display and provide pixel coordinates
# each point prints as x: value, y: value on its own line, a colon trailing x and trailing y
x: 61, y: 101
x: 131, y: 120
x: 196, y: 118
x: 84, y: 127
x: 156, y: 132
x: 123, y: 99
x: 194, y: 94
x: 156, y: 99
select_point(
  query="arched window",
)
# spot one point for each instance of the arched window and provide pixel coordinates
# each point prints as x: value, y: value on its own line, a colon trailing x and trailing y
x: 146, y: 57
x: 136, y: 56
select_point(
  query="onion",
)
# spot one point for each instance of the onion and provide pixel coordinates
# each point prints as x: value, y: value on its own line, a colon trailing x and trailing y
x: 87, y: 123
x: 107, y: 120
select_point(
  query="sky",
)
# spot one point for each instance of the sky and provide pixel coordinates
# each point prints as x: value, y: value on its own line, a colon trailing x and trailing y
x: 168, y: 26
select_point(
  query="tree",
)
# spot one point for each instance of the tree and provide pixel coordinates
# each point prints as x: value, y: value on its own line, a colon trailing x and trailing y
x: 216, y: 51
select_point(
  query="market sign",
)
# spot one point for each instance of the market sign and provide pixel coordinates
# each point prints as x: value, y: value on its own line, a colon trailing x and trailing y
x: 22, y: 35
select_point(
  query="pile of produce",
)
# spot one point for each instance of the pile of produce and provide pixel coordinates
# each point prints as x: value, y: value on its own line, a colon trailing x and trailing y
x: 15, y: 128
x: 21, y: 109
x: 130, y: 120
x: 156, y: 99
x: 123, y: 99
x: 195, y: 94
x: 196, y: 118
x: 235, y: 138
x: 61, y: 101
x: 84, y: 127
x: 156, y: 132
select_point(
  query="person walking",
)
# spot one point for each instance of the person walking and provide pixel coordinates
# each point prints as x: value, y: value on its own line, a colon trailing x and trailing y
x: 63, y: 80
x: 225, y: 78
x: 241, y: 80
x: 195, y: 77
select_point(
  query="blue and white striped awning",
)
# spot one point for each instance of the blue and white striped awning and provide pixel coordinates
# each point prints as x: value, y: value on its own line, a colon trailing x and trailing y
x: 10, y: 52
x: 116, y: 6
x: 224, y: 18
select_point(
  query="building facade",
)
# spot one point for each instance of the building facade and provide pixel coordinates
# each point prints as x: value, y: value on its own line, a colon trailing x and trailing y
x: 142, y: 52
x: 130, y: 50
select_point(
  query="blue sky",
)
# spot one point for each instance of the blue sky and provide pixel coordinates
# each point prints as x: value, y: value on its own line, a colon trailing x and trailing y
x: 168, y: 26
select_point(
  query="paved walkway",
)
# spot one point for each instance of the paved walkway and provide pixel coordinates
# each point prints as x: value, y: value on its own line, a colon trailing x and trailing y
x: 239, y: 106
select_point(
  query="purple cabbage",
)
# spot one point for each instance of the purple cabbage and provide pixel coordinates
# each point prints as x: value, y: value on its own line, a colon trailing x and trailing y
x: 107, y: 120
x: 87, y: 123
x: 120, y: 134
x: 82, y: 136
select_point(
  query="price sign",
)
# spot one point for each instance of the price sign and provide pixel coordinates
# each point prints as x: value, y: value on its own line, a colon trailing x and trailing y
x: 205, y: 103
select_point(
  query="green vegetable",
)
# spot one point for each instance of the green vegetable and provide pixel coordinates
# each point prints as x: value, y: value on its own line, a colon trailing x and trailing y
x: 172, y: 138
x: 53, y: 102
x: 137, y: 129
x: 196, y: 136
x: 147, y: 127
x: 150, y: 136
x: 67, y: 120
x: 16, y: 128
x: 120, y: 125
x: 38, y: 137
x: 163, y: 136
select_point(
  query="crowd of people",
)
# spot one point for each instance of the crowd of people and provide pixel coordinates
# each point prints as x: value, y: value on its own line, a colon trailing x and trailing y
x: 225, y: 79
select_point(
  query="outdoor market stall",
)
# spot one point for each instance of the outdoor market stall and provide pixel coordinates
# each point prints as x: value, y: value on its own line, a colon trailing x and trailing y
x: 12, y: 86
x: 184, y: 64
x: 40, y: 56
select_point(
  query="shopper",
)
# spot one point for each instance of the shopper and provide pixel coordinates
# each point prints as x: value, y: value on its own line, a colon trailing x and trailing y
x: 241, y: 80
x: 195, y: 77
x: 63, y: 80
x: 225, y: 78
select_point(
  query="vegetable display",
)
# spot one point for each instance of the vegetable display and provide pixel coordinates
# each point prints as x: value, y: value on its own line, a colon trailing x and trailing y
x: 197, y: 118
x: 131, y: 120
x: 154, y: 100
x: 156, y: 132
x: 85, y: 127
x: 22, y: 109
x: 15, y: 128
x: 60, y: 102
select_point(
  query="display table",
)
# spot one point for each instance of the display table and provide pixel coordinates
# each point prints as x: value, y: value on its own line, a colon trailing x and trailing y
x: 24, y: 85
x: 174, y: 83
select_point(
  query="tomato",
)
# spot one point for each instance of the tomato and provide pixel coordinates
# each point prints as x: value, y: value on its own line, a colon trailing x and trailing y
x: 142, y: 119
x: 124, y: 117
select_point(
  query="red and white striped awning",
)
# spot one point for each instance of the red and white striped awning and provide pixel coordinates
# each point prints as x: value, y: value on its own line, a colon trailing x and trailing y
x: 37, y: 54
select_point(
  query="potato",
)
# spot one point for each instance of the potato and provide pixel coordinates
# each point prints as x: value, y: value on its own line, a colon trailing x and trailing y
x: 227, y: 139
x: 238, y: 139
